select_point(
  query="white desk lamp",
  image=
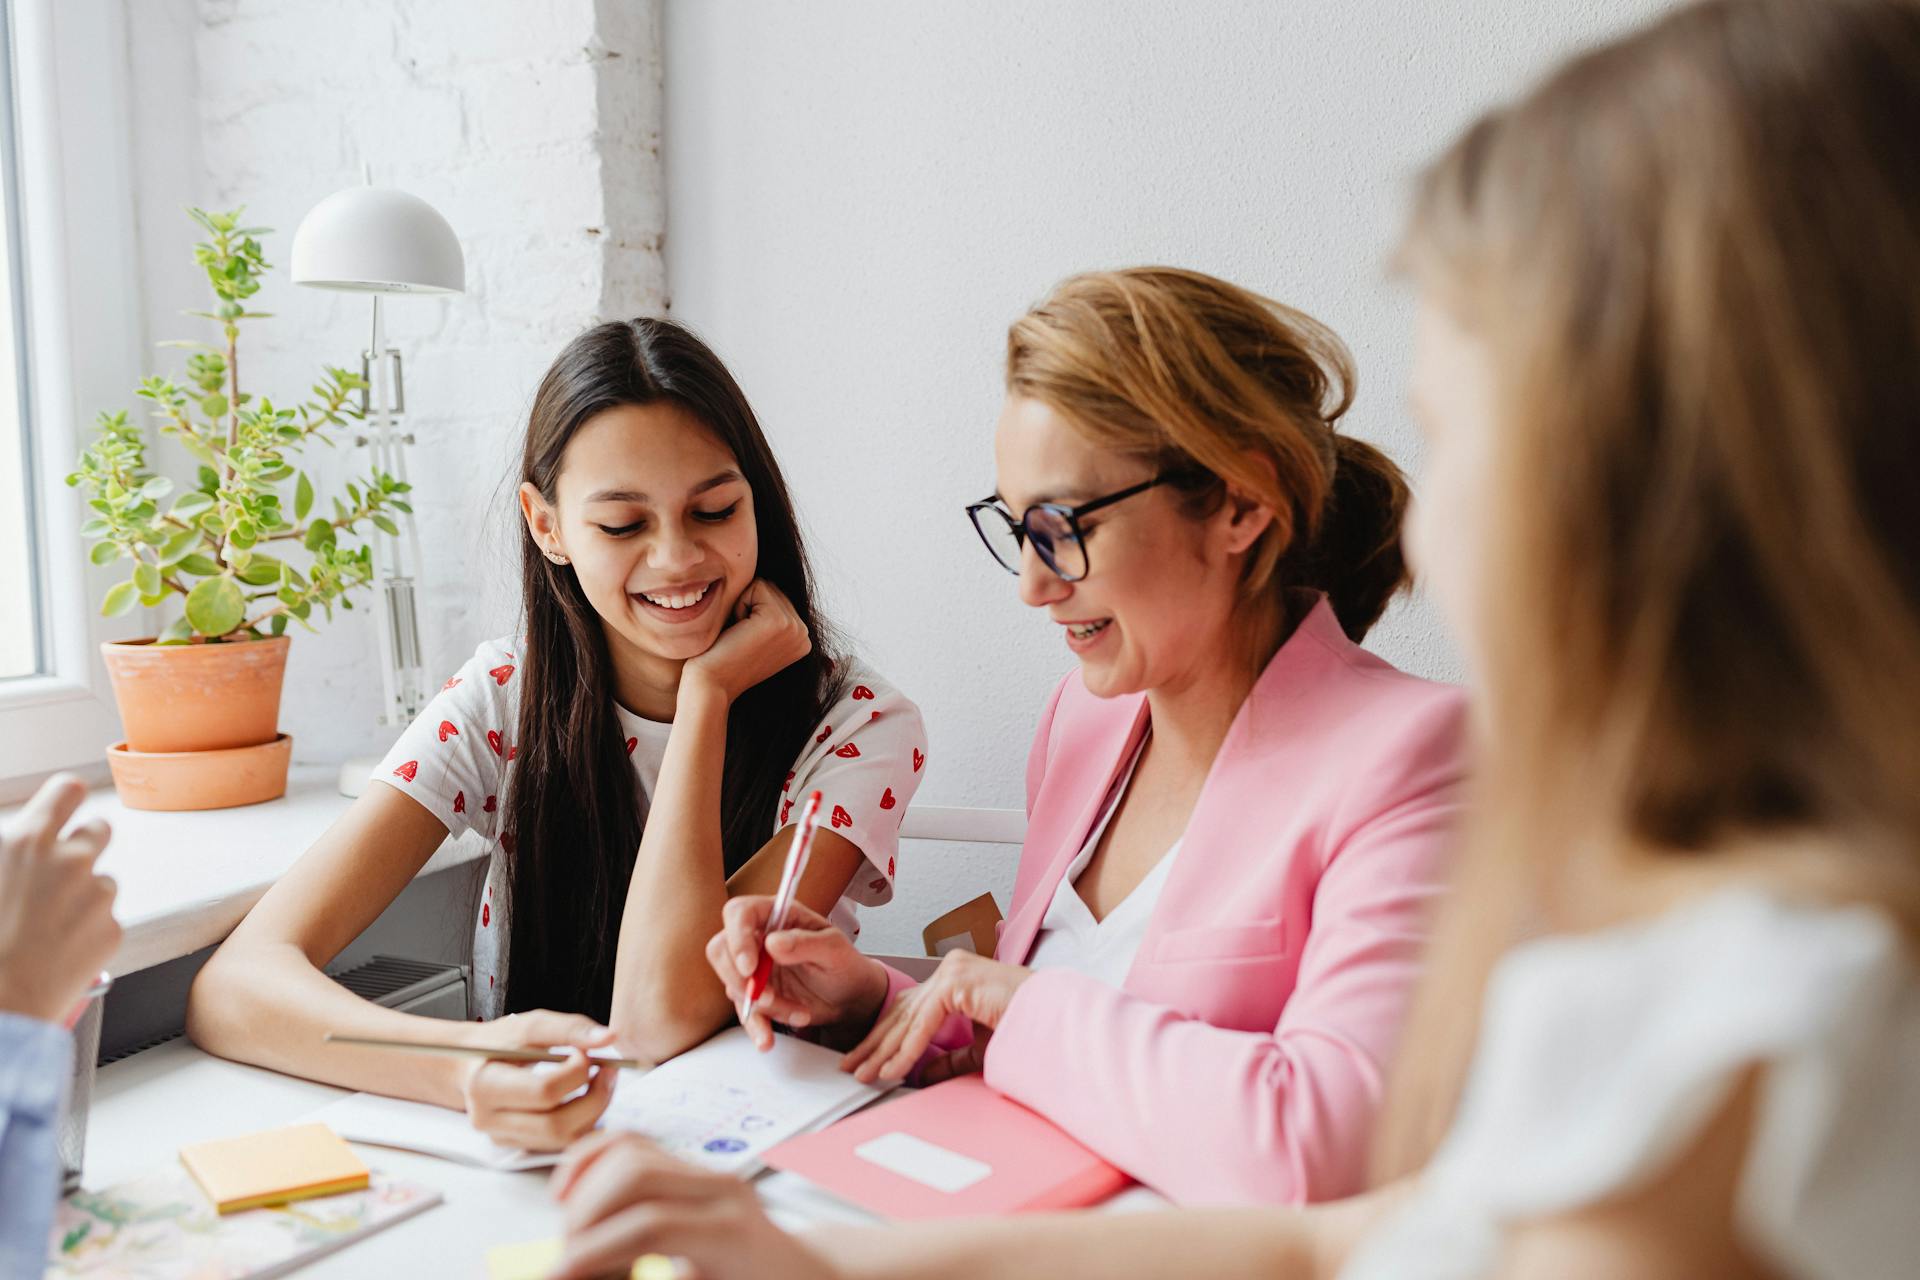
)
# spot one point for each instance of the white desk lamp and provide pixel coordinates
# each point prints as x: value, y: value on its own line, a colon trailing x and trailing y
x: 378, y: 240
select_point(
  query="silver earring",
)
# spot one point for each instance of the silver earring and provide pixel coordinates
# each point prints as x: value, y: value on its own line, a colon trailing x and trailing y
x: 556, y: 557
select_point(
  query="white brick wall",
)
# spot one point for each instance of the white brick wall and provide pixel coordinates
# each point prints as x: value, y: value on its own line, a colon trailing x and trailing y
x: 533, y: 126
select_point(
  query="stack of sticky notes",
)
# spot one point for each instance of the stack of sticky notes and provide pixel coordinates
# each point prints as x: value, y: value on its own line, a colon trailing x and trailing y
x: 273, y: 1167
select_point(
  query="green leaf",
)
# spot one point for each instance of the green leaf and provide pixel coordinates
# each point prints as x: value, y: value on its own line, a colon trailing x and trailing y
x: 278, y: 624
x: 103, y: 552
x: 94, y: 528
x: 209, y: 479
x: 302, y: 497
x: 119, y: 599
x: 261, y: 571
x: 179, y: 631
x: 192, y: 505
x: 319, y: 534
x: 215, y: 606
x: 381, y: 522
x: 244, y: 534
x: 199, y: 566
x: 157, y: 487
x: 178, y: 546
x: 146, y: 578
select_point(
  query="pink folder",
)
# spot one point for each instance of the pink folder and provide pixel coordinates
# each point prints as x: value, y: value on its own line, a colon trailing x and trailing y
x: 955, y: 1150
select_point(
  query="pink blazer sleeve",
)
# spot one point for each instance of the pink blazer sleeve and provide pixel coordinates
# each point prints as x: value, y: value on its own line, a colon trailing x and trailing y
x: 1211, y: 1115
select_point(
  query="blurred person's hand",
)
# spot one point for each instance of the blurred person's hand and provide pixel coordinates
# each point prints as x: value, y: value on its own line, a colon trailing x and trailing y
x: 56, y: 914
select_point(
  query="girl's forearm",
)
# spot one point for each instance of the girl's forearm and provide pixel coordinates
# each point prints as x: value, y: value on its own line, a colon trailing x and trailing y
x: 665, y: 997
x: 265, y: 1003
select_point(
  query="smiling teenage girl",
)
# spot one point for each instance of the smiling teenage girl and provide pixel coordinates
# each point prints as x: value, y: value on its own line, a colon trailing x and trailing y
x: 631, y: 757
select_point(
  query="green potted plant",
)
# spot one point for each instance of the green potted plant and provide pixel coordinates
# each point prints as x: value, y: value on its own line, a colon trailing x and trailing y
x: 200, y: 702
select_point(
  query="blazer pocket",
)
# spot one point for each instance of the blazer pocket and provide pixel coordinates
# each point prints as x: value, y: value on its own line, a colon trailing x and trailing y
x: 1257, y: 940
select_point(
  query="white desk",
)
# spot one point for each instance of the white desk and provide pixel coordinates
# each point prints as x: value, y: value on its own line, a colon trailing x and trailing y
x: 145, y: 1108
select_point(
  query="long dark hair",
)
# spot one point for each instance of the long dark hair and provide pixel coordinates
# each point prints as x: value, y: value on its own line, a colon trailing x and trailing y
x: 573, y: 814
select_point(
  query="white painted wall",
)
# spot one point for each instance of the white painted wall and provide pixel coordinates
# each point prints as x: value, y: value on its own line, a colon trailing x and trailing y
x: 531, y: 124
x: 861, y: 196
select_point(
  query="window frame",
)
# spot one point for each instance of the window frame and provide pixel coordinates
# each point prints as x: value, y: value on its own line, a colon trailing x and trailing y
x: 73, y: 170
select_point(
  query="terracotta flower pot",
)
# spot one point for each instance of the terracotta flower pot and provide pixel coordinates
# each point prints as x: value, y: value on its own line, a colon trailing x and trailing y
x: 198, y: 697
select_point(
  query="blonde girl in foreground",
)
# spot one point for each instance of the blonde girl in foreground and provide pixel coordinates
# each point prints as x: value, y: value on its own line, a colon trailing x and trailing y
x: 1668, y: 361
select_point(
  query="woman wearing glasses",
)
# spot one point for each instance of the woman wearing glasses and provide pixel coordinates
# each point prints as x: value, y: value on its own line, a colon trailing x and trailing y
x: 1237, y: 817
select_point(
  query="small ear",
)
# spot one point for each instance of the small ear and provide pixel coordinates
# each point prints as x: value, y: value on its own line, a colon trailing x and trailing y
x: 1245, y: 515
x: 540, y: 518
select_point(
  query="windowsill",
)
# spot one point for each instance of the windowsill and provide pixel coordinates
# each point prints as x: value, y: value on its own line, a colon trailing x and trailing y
x: 186, y: 879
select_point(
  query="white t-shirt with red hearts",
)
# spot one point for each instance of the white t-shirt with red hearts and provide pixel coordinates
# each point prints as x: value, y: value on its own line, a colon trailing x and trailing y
x: 456, y: 759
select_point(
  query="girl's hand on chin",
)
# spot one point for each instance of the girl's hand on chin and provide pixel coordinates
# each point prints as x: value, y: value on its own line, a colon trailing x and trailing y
x: 766, y: 636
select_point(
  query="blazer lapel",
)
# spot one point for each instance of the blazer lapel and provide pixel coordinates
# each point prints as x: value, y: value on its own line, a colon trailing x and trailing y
x: 1103, y: 754
x: 1224, y: 831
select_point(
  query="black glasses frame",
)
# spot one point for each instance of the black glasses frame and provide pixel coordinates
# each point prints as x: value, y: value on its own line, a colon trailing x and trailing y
x: 1022, y: 529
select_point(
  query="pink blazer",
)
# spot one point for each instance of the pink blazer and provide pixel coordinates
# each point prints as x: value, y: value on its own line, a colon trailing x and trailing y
x: 1243, y: 1058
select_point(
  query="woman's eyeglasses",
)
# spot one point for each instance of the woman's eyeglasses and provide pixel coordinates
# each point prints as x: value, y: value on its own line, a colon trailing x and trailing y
x: 1052, y: 527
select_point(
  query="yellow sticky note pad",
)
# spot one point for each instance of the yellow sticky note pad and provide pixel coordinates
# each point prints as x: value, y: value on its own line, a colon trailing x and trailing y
x: 533, y: 1259
x: 273, y: 1167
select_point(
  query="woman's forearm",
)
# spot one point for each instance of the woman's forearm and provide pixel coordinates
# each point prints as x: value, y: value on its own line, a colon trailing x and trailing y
x: 665, y: 997
x: 1271, y: 1244
x: 265, y: 1003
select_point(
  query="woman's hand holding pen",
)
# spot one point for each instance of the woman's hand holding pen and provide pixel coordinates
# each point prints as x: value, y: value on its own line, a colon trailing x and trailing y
x: 533, y: 1107
x: 818, y: 979
x: 966, y: 984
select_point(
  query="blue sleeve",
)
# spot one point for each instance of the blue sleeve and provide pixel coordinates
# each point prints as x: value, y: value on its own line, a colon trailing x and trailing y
x: 36, y: 1059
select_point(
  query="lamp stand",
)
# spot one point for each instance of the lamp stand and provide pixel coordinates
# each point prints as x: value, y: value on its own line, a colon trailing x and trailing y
x: 396, y: 558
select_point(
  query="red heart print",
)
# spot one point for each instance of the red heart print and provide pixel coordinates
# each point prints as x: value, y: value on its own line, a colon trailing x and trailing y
x: 502, y: 674
x: 634, y: 742
x: 447, y: 730
x: 408, y: 770
x: 889, y: 868
x: 486, y: 914
x: 918, y: 759
x: 887, y: 801
x: 788, y: 782
x: 786, y: 807
x: 489, y: 982
x: 493, y: 740
x: 878, y: 886
x: 825, y: 729
x: 509, y: 656
x: 862, y: 694
x: 493, y: 802
x: 841, y: 818
x: 848, y: 752
x: 450, y: 683
x: 459, y: 802
x: 873, y: 717
x: 512, y: 752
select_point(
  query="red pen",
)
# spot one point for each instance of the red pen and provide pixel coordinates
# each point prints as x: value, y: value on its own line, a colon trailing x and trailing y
x: 783, y: 899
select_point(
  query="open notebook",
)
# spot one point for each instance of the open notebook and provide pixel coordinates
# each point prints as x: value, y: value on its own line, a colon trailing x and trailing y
x: 163, y: 1227
x: 721, y: 1104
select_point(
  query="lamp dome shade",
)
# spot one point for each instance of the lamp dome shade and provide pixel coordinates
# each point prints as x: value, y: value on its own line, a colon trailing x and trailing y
x: 377, y: 240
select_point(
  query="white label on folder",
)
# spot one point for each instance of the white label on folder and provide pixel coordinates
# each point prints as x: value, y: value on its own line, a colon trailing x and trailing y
x: 925, y: 1163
